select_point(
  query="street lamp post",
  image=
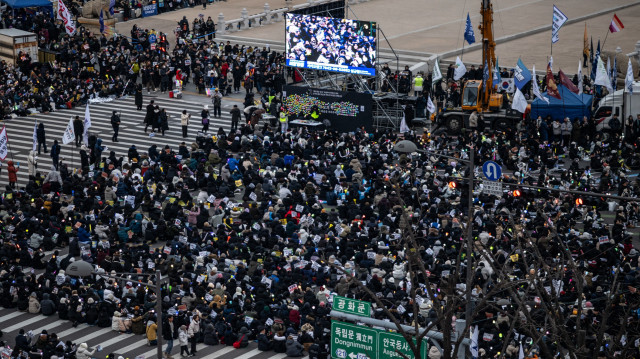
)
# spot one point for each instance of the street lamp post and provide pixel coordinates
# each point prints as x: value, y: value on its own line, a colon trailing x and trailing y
x: 84, y: 269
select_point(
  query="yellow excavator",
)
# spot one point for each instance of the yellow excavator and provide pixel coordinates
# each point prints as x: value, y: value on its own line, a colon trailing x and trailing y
x: 480, y: 96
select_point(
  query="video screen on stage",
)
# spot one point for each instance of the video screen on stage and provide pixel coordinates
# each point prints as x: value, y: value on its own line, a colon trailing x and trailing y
x: 331, y: 44
x: 347, y: 111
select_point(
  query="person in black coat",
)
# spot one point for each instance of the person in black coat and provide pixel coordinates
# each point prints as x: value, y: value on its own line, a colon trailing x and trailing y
x: 115, y: 124
x: 149, y: 117
x: 47, y: 306
x: 41, y: 137
x: 63, y: 309
x: 138, y: 98
x: 264, y: 343
x: 78, y: 129
x: 55, y: 153
x: 22, y: 342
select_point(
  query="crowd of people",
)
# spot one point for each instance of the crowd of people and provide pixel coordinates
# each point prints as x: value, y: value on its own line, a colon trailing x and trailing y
x: 89, y: 66
x: 256, y: 229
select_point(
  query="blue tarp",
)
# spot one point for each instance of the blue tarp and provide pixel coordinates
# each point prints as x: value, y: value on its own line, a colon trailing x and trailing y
x: 19, y: 4
x: 571, y: 105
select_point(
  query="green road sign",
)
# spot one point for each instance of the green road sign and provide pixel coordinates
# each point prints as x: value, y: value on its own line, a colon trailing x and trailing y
x: 353, y: 342
x: 351, y: 306
x: 390, y: 343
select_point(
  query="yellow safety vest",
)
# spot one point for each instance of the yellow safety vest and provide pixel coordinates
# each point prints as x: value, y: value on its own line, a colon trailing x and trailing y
x: 419, y: 81
x: 283, y: 117
x: 315, y: 115
x: 271, y: 99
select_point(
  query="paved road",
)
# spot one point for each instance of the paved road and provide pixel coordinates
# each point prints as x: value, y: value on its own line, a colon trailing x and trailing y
x: 128, y: 345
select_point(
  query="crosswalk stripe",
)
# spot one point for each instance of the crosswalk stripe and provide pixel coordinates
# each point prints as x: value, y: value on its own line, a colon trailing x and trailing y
x: 117, y: 339
x: 23, y: 324
x: 279, y: 356
x: 249, y: 354
x: 72, y: 330
x: 219, y: 353
x: 50, y: 326
x: 128, y: 348
x: 5, y: 318
x: 93, y: 335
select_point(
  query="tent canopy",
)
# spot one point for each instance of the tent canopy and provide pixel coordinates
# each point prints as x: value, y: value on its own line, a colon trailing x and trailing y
x: 571, y: 105
x: 20, y: 4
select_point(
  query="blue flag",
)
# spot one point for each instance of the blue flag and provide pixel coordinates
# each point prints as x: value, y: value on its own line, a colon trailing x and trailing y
x: 101, y: 22
x: 614, y: 74
x: 497, y: 79
x: 521, y: 75
x: 112, y: 6
x: 468, y: 32
x: 485, y: 72
x: 594, y: 64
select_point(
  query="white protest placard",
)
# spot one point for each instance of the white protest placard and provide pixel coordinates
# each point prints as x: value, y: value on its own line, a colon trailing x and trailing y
x: 266, y: 281
x: 248, y: 320
x: 167, y: 250
x: 603, y: 239
x: 292, y: 288
x: 371, y: 255
x: 300, y: 208
x: 268, y: 322
x: 401, y: 309
x: 253, y: 196
x: 208, y: 297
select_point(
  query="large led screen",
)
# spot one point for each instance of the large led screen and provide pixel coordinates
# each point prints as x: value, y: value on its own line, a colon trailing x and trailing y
x: 331, y: 44
x: 347, y: 111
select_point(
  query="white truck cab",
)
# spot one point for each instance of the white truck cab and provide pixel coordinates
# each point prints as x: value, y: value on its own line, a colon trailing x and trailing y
x: 620, y: 103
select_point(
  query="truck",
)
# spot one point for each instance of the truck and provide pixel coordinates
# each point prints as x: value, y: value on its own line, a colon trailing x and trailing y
x: 621, y: 103
x: 481, y: 97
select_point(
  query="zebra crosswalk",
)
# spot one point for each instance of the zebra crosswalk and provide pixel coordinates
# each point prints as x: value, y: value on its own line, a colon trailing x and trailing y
x: 20, y: 131
x: 128, y: 345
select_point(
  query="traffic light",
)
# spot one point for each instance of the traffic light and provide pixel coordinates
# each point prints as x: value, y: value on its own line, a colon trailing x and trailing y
x: 579, y: 201
x: 453, y: 185
x: 517, y: 193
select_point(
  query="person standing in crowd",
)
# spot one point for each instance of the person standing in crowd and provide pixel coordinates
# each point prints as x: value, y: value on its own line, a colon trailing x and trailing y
x: 194, y: 333
x: 169, y: 333
x: 183, y: 338
x: 115, y: 124
x: 216, y: 98
x: 184, y: 122
x: 163, y: 121
x: 418, y: 83
x: 55, y: 153
x: 235, y: 117
x: 149, y: 117
x: 205, y: 118
x: 78, y: 129
x: 32, y: 163
x: 138, y: 97
x: 284, y: 121
x: 12, y: 171
x: 42, y: 140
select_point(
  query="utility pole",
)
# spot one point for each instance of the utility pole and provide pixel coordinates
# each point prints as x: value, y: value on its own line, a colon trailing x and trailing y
x: 469, y: 236
x: 158, y: 289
